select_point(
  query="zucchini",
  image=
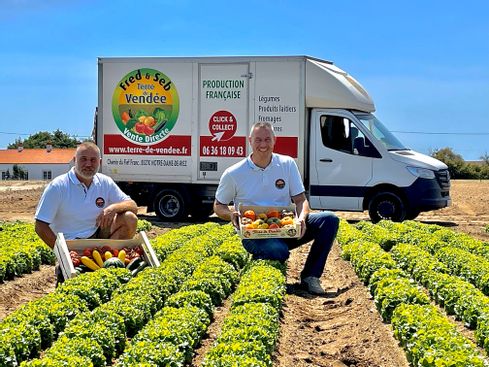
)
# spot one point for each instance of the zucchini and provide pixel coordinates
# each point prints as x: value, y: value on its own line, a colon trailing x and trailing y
x: 141, y: 266
x: 134, y: 263
x: 83, y: 268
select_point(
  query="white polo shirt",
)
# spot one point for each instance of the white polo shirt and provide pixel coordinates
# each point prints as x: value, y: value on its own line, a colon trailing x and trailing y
x: 246, y: 183
x: 71, y: 208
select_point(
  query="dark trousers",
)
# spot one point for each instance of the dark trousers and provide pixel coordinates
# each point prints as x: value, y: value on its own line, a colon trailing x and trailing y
x: 321, y: 228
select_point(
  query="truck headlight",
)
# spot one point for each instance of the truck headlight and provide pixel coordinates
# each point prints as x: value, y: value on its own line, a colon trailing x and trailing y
x: 421, y: 172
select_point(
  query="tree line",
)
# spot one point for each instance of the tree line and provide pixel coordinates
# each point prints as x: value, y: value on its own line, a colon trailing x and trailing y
x: 57, y: 139
x: 458, y: 167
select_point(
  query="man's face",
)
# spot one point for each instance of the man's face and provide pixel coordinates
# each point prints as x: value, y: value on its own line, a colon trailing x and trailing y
x: 87, y: 162
x: 262, y: 142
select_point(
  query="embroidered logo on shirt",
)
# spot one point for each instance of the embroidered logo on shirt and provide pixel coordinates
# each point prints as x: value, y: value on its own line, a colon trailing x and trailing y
x: 280, y: 184
x: 100, y: 202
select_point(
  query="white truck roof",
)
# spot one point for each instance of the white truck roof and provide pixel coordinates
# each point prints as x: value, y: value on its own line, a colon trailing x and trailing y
x: 327, y: 86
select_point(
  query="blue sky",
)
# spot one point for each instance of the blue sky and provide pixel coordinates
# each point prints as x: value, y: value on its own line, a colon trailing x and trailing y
x: 425, y: 63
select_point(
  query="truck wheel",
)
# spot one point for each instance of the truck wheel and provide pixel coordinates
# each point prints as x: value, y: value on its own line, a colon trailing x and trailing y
x: 170, y: 205
x: 386, y: 205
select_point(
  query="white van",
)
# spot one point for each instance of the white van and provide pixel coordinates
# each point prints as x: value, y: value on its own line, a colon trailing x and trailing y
x: 169, y: 127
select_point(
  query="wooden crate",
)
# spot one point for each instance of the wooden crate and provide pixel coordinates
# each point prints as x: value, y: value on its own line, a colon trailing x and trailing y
x: 290, y: 232
x: 63, y: 247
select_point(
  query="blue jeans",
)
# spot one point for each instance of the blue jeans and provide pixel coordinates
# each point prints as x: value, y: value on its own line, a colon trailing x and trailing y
x: 321, y: 228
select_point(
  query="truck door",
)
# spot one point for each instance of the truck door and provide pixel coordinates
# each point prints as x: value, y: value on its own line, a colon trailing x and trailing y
x: 341, y: 161
x: 223, y: 117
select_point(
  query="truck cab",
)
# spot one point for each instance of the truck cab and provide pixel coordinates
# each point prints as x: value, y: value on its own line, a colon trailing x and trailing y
x: 356, y: 164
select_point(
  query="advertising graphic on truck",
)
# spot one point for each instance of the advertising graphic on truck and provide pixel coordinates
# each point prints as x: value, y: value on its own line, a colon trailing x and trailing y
x: 168, y: 127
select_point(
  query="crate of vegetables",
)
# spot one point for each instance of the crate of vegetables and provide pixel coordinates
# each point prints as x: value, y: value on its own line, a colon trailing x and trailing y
x: 257, y: 222
x: 84, y: 255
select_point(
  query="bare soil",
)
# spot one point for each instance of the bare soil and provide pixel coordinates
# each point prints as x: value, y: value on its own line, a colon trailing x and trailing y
x: 340, y: 329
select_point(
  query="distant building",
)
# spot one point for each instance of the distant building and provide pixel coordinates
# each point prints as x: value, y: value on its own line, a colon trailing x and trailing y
x: 35, y: 164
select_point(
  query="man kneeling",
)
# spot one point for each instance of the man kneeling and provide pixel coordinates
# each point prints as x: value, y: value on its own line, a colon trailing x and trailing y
x: 265, y: 178
x: 83, y: 203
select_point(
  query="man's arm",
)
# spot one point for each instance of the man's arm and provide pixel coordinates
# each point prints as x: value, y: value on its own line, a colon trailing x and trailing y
x: 45, y: 233
x: 303, y: 210
x: 224, y: 212
x: 106, y: 216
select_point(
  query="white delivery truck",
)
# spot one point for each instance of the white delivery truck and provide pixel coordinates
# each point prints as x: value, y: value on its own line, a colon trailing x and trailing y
x: 169, y: 126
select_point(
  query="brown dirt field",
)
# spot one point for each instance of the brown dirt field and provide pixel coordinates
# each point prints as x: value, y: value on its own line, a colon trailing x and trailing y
x: 341, y: 329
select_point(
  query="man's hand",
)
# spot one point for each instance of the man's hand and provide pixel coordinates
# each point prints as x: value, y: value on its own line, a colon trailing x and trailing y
x: 106, y: 217
x: 227, y: 213
x: 302, y: 221
x: 302, y: 208
x: 235, y: 219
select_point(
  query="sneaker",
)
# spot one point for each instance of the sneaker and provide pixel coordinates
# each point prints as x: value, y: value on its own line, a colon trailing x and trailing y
x: 313, y: 285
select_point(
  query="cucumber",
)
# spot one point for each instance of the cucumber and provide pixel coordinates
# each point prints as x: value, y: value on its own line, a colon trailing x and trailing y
x: 140, y: 267
x: 134, y: 263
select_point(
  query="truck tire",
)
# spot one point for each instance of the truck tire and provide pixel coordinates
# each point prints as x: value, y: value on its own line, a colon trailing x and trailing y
x: 170, y: 205
x: 386, y: 205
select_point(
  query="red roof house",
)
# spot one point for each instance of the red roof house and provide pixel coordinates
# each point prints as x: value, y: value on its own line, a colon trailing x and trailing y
x: 35, y: 164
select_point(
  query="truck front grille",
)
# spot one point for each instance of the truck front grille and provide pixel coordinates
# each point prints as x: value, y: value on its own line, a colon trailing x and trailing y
x: 443, y: 178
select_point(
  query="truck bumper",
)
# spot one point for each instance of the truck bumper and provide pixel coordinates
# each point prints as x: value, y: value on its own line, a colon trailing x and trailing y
x: 425, y: 195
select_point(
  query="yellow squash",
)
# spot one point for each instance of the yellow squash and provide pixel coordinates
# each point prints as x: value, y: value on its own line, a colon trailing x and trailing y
x: 98, y: 258
x: 89, y: 263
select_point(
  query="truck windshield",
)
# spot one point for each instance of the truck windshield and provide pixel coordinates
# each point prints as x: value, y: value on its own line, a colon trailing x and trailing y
x: 380, y: 132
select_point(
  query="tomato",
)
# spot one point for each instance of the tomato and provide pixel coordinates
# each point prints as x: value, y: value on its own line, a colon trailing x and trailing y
x: 273, y: 214
x: 249, y: 214
x: 87, y: 252
x: 273, y: 226
x: 148, y: 130
x: 105, y: 248
x: 139, y: 250
x: 115, y: 252
x: 140, y: 128
x: 286, y: 220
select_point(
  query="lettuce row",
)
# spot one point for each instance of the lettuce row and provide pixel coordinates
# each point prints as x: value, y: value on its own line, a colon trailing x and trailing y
x: 21, y: 250
x: 132, y: 305
x: 170, y: 338
x: 35, y: 325
x: 250, y: 332
x: 49, y: 315
x: 431, y: 340
x: 457, y: 296
x: 394, y: 292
